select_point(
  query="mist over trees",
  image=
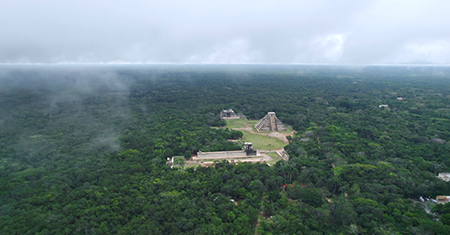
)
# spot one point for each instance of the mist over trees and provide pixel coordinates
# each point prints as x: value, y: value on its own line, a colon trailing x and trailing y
x: 83, y: 150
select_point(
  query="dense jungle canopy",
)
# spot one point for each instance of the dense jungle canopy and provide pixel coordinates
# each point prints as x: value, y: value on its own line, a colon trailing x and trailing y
x: 83, y: 149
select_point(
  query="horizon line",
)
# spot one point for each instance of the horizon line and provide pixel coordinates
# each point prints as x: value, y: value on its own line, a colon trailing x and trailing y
x: 173, y: 63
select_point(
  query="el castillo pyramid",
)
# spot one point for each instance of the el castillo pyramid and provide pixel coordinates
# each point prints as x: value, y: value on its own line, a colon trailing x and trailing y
x: 270, y: 122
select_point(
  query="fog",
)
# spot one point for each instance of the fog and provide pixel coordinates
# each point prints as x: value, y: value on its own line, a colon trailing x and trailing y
x: 199, y: 31
x: 70, y: 107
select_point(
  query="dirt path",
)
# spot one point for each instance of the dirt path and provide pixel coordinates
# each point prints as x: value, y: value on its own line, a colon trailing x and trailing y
x: 258, y: 223
x: 279, y: 135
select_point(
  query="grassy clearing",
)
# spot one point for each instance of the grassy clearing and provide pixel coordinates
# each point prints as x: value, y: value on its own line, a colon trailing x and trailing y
x: 261, y: 142
x: 191, y: 165
x: 274, y: 157
x: 240, y: 123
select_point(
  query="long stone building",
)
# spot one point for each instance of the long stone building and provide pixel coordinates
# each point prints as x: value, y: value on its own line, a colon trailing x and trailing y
x: 270, y: 122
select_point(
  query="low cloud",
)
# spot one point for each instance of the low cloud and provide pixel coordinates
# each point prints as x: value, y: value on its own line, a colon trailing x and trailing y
x: 66, y: 100
x: 436, y: 52
x: 323, y: 31
x: 234, y: 52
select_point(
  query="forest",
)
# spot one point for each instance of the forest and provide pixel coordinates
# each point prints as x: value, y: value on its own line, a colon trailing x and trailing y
x: 83, y: 149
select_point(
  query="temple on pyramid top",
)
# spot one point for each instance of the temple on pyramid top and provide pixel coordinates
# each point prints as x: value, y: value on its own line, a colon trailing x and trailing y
x: 270, y: 122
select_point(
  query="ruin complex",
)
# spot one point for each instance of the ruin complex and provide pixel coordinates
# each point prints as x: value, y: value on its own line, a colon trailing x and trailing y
x: 248, y: 149
x: 270, y: 122
x: 228, y: 114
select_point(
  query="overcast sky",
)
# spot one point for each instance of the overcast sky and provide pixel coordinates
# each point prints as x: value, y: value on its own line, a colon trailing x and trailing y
x: 231, y: 31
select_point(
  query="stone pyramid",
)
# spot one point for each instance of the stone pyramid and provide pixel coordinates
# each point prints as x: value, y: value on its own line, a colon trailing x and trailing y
x: 270, y: 122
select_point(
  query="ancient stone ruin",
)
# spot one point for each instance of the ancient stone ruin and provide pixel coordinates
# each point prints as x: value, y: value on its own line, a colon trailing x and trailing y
x: 228, y: 114
x: 270, y: 122
x: 248, y: 149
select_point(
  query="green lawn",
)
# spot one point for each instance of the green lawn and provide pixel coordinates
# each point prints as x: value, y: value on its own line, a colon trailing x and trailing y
x: 275, y: 158
x: 191, y: 165
x: 261, y: 142
x: 240, y: 123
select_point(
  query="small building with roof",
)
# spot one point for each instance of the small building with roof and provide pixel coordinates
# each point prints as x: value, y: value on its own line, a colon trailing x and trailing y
x: 442, y: 199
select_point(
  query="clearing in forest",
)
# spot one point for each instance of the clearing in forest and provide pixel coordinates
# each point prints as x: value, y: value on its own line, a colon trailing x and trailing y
x: 264, y: 140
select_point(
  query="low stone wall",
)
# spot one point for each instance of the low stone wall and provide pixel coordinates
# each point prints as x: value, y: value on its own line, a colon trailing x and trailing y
x: 232, y: 161
x: 221, y: 155
x: 231, y: 118
x: 283, y: 155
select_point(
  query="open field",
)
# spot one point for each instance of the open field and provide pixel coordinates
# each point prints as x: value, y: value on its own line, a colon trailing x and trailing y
x: 274, y: 157
x: 240, y: 123
x: 262, y: 142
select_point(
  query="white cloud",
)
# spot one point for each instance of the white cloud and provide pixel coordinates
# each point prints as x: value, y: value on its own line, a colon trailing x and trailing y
x: 436, y: 52
x: 321, y: 49
x: 224, y: 31
x: 331, y: 47
x: 235, y: 51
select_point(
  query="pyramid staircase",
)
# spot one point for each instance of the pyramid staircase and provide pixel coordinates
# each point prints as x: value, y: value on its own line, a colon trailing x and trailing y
x: 270, y: 122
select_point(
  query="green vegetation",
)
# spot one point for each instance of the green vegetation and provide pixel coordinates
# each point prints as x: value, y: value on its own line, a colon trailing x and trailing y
x: 83, y: 150
x: 261, y: 142
x: 275, y: 158
x: 259, y: 139
x: 240, y: 123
